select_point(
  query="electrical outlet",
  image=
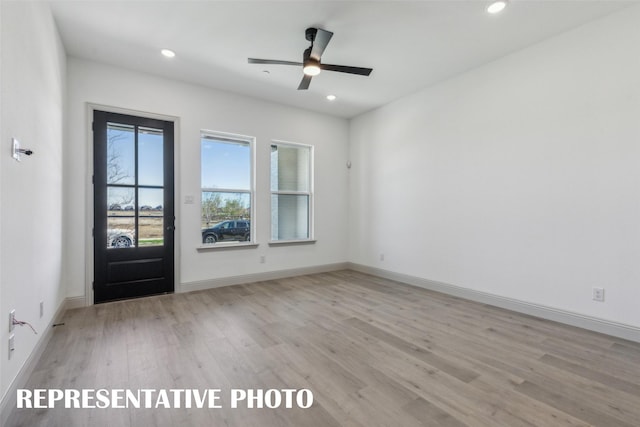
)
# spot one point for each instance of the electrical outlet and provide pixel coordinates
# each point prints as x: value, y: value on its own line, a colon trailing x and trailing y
x: 12, y: 318
x: 263, y: 259
x: 598, y: 294
x: 12, y: 346
x: 41, y: 309
x: 381, y: 257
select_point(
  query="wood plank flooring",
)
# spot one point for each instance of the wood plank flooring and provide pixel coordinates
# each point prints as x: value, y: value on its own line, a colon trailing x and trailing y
x: 373, y: 352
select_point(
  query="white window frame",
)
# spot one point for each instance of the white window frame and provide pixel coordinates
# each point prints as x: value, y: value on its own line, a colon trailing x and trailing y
x: 232, y: 138
x: 310, y: 194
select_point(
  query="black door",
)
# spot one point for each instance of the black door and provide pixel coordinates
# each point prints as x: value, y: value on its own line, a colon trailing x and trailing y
x: 133, y: 206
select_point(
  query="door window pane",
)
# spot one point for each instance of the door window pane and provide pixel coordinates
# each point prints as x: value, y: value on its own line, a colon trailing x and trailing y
x: 121, y: 154
x: 120, y: 217
x: 150, y: 157
x: 150, y: 217
x: 120, y: 200
x: 121, y: 232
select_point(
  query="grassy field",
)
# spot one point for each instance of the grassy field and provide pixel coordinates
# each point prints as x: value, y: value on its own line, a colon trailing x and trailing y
x: 150, y: 226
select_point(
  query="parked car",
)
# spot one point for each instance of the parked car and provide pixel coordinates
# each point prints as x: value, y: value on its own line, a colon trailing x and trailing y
x: 238, y: 230
x: 117, y: 238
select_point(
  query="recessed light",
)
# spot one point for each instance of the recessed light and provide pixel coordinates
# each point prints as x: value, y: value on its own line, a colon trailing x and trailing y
x: 168, y: 53
x: 331, y: 97
x: 266, y: 72
x: 497, y: 6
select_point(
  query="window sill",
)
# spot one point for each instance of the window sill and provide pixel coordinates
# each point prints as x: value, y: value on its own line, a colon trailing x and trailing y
x: 223, y: 246
x: 291, y: 242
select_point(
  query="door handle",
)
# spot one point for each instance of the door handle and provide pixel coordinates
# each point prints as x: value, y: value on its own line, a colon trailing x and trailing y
x: 170, y: 228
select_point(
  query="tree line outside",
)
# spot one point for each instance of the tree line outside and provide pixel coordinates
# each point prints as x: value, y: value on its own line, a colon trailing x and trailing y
x: 216, y: 208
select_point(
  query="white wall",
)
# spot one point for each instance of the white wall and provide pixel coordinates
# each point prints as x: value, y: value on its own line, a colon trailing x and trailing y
x: 519, y: 179
x: 202, y: 108
x: 32, y: 98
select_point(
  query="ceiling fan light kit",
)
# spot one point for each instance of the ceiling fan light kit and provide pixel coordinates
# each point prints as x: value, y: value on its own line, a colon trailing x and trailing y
x: 311, y: 59
x: 311, y: 67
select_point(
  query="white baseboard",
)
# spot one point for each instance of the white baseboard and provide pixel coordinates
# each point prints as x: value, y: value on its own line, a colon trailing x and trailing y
x: 260, y: 277
x: 9, y: 399
x: 615, y: 329
x: 74, y: 302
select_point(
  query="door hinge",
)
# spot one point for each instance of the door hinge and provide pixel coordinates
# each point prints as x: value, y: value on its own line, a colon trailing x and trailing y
x: 93, y: 232
x: 93, y: 126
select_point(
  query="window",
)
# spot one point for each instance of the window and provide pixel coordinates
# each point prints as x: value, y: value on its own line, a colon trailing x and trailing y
x: 291, y: 192
x: 227, y: 187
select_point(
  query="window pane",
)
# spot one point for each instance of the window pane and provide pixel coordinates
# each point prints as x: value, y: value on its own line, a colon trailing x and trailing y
x: 120, y: 154
x: 290, y: 168
x: 150, y: 217
x: 226, y: 164
x: 221, y: 212
x: 120, y: 217
x: 120, y: 199
x: 217, y: 207
x: 120, y: 232
x: 150, y: 157
x: 289, y: 217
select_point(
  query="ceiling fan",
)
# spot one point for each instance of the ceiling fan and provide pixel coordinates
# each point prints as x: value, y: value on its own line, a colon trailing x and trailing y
x: 311, y: 64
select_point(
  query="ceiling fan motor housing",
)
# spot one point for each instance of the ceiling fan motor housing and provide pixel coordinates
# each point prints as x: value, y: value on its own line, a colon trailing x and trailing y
x: 310, y: 34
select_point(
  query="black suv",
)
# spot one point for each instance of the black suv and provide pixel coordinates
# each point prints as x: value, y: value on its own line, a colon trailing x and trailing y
x: 228, y: 230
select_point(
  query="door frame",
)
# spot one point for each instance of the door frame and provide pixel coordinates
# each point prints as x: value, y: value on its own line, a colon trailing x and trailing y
x: 89, y: 208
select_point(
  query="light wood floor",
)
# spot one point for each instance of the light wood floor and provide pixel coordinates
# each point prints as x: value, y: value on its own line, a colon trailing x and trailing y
x: 373, y: 352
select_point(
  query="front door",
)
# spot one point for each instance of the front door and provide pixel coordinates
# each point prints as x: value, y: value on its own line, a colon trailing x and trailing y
x: 133, y: 206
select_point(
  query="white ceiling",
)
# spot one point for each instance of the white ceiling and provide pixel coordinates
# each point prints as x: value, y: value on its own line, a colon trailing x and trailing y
x: 409, y: 44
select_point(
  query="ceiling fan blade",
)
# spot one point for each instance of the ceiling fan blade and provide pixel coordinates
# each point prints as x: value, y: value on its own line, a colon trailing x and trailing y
x: 345, y: 69
x: 320, y: 43
x: 304, y: 84
x: 272, y: 61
